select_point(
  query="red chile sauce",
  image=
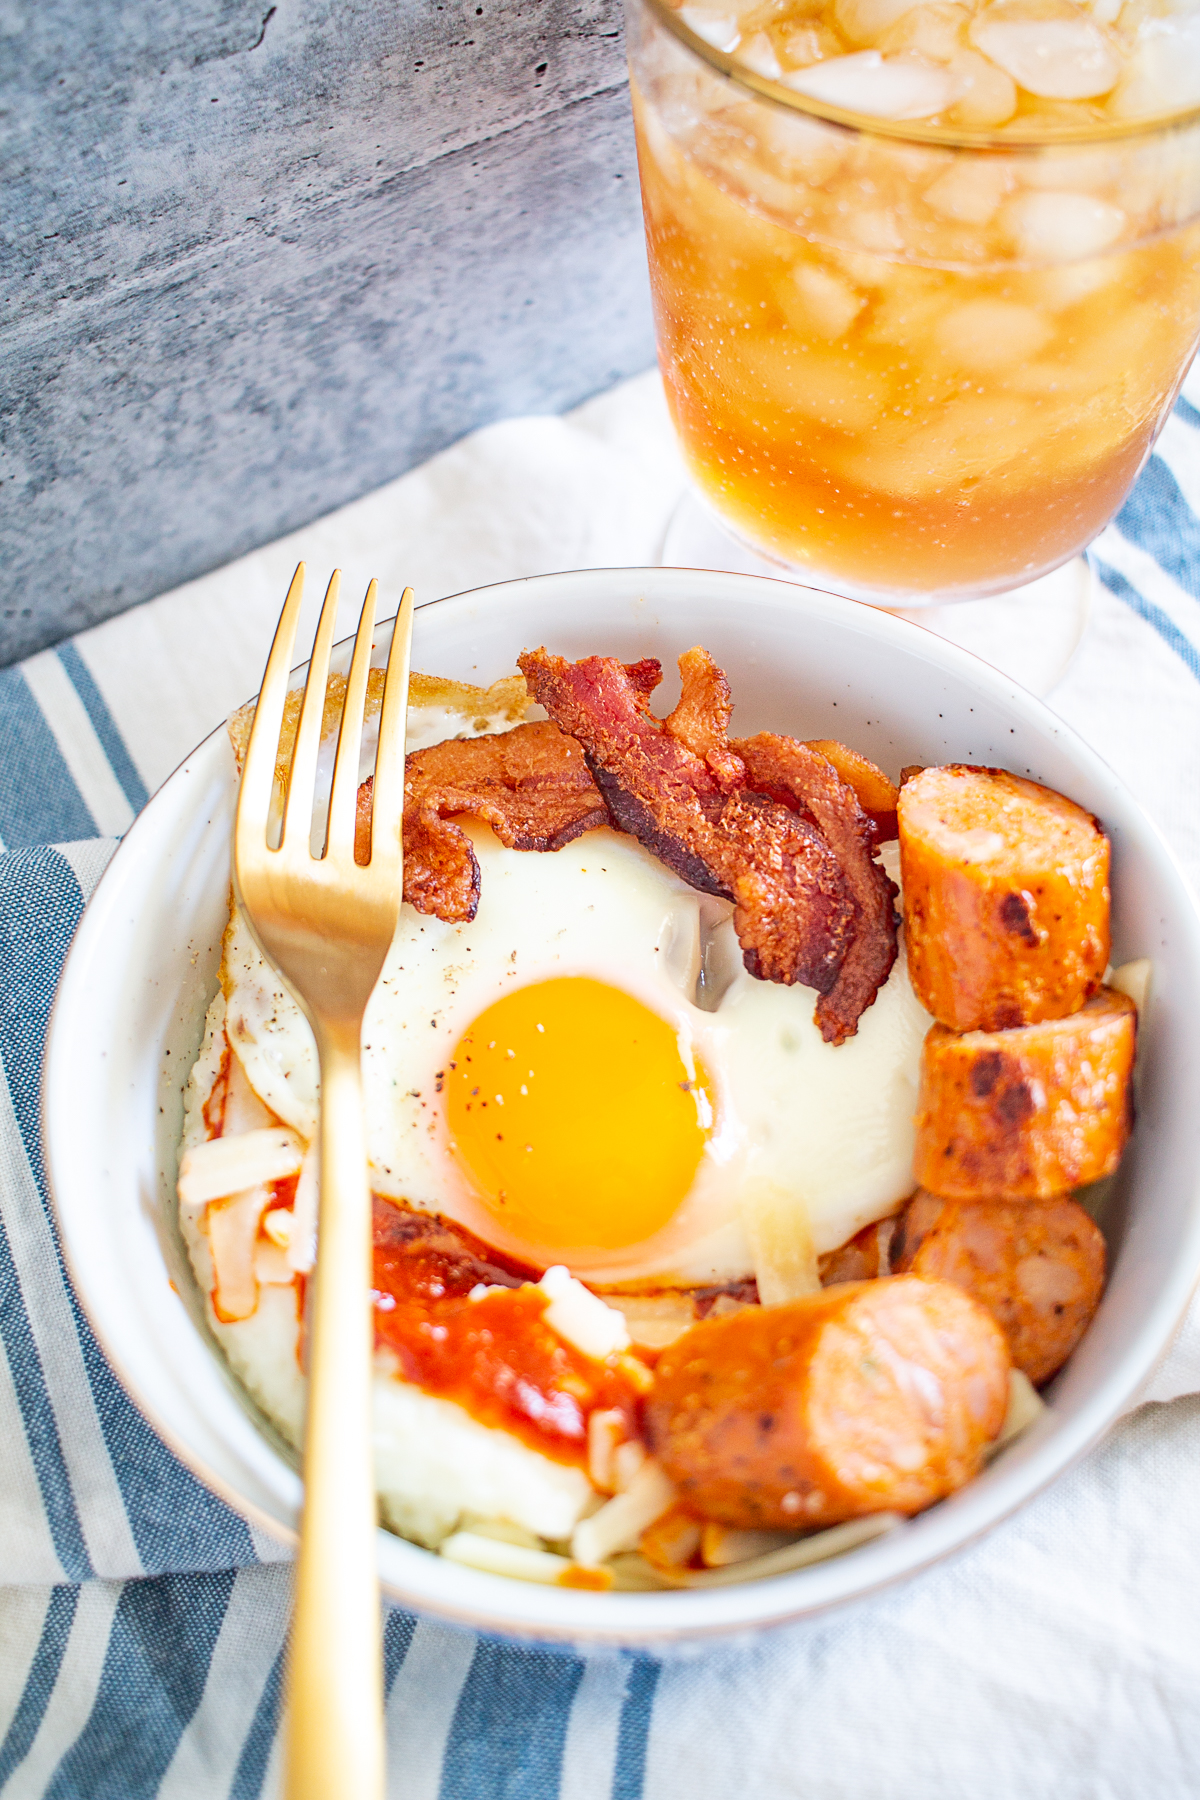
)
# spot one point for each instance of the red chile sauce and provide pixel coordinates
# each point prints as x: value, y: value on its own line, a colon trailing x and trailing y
x: 495, y: 1356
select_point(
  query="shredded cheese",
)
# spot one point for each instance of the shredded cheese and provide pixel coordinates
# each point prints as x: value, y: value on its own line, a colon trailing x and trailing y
x: 775, y: 1220
x: 580, y: 1318
x: 1133, y: 980
x: 618, y: 1525
x: 496, y: 1557
x: 302, y: 1241
x: 222, y: 1166
x: 721, y: 1546
x: 1025, y: 1405
x: 797, y: 1555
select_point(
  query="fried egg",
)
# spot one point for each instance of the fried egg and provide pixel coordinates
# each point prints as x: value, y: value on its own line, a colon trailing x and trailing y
x: 585, y: 1074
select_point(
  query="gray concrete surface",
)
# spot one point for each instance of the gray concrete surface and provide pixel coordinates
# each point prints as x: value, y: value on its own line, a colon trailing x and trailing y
x: 255, y: 260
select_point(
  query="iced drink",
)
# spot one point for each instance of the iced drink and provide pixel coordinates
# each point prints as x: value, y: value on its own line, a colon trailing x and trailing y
x: 924, y: 357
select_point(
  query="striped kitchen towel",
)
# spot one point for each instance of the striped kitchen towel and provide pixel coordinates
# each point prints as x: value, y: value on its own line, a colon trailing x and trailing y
x: 142, y: 1622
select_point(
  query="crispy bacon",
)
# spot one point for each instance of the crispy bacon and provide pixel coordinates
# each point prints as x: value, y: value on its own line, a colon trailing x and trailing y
x: 770, y: 823
x: 645, y: 675
x: 775, y: 763
x: 678, y: 791
x: 876, y: 794
x: 701, y: 719
x: 530, y: 784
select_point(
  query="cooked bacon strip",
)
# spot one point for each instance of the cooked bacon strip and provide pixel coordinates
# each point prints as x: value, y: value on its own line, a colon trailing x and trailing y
x: 530, y: 784
x: 645, y: 675
x: 877, y: 795
x: 794, y: 916
x: 777, y: 764
x: 701, y: 719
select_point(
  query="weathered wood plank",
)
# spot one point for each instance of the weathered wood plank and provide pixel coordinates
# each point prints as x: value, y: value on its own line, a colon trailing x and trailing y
x: 257, y: 263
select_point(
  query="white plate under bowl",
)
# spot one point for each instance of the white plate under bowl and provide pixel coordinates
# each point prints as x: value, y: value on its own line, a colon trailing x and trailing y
x: 128, y: 1017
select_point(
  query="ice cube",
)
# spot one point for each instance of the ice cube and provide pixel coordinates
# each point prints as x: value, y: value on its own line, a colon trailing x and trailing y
x: 826, y: 386
x: 1074, y: 282
x: 865, y: 271
x: 718, y: 29
x: 1087, y: 169
x: 970, y: 190
x: 987, y: 334
x: 986, y: 95
x: 758, y: 53
x: 975, y: 435
x: 875, y: 229
x: 805, y: 150
x: 968, y: 439
x: 909, y: 311
x: 1053, y: 380
x: 1060, y: 228
x: 657, y: 145
x: 1163, y: 73
x: 829, y: 305
x: 894, y: 87
x: 933, y: 31
x: 809, y: 44
x: 1057, y: 59
x: 865, y: 21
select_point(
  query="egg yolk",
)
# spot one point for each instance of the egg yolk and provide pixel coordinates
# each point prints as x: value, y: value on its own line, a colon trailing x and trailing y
x: 573, y: 1110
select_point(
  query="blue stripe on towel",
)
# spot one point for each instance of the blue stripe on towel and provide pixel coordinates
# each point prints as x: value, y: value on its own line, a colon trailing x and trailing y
x: 39, y: 802
x: 398, y: 1628
x: 635, y: 1728
x: 33, y: 941
x: 1187, y: 412
x: 159, y: 1650
x: 104, y: 725
x: 1158, y: 519
x: 40, y: 909
x: 1166, y: 627
x: 506, y: 1742
x: 176, y: 1522
x: 41, y: 1428
x: 252, y: 1764
x: 39, y: 1683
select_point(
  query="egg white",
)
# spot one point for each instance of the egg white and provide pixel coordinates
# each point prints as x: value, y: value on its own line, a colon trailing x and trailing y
x: 831, y: 1126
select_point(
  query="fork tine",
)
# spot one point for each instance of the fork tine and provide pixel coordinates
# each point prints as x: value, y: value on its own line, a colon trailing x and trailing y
x: 343, y: 799
x: 258, y: 773
x: 297, y: 819
x: 387, y: 801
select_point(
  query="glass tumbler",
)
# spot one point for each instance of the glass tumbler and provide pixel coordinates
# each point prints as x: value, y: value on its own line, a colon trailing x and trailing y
x: 909, y: 365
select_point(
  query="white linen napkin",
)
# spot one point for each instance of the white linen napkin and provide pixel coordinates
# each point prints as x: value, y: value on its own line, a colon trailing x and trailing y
x: 1059, y: 1657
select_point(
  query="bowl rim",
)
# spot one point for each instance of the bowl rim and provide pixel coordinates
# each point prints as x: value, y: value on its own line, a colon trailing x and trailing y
x: 420, y: 1579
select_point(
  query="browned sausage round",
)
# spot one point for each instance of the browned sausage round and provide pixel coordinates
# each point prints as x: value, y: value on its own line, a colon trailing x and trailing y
x: 873, y: 1396
x: 1027, y: 1114
x: 1037, y: 1265
x: 864, y: 1257
x: 1006, y: 900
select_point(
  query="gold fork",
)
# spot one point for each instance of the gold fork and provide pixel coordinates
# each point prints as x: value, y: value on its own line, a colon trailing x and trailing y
x: 326, y: 924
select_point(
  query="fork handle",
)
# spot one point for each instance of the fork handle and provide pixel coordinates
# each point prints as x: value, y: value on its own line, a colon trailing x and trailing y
x: 335, y: 1680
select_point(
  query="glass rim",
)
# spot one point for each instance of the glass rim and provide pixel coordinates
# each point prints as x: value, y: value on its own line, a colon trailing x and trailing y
x: 909, y: 131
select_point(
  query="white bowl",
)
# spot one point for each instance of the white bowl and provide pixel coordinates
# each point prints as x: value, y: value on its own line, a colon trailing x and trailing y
x: 127, y: 1024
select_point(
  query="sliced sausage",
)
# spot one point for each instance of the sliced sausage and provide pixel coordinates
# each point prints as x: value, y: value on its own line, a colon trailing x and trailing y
x: 873, y: 1396
x: 1037, y: 1265
x: 1030, y: 1113
x: 1006, y: 899
x: 864, y: 1257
